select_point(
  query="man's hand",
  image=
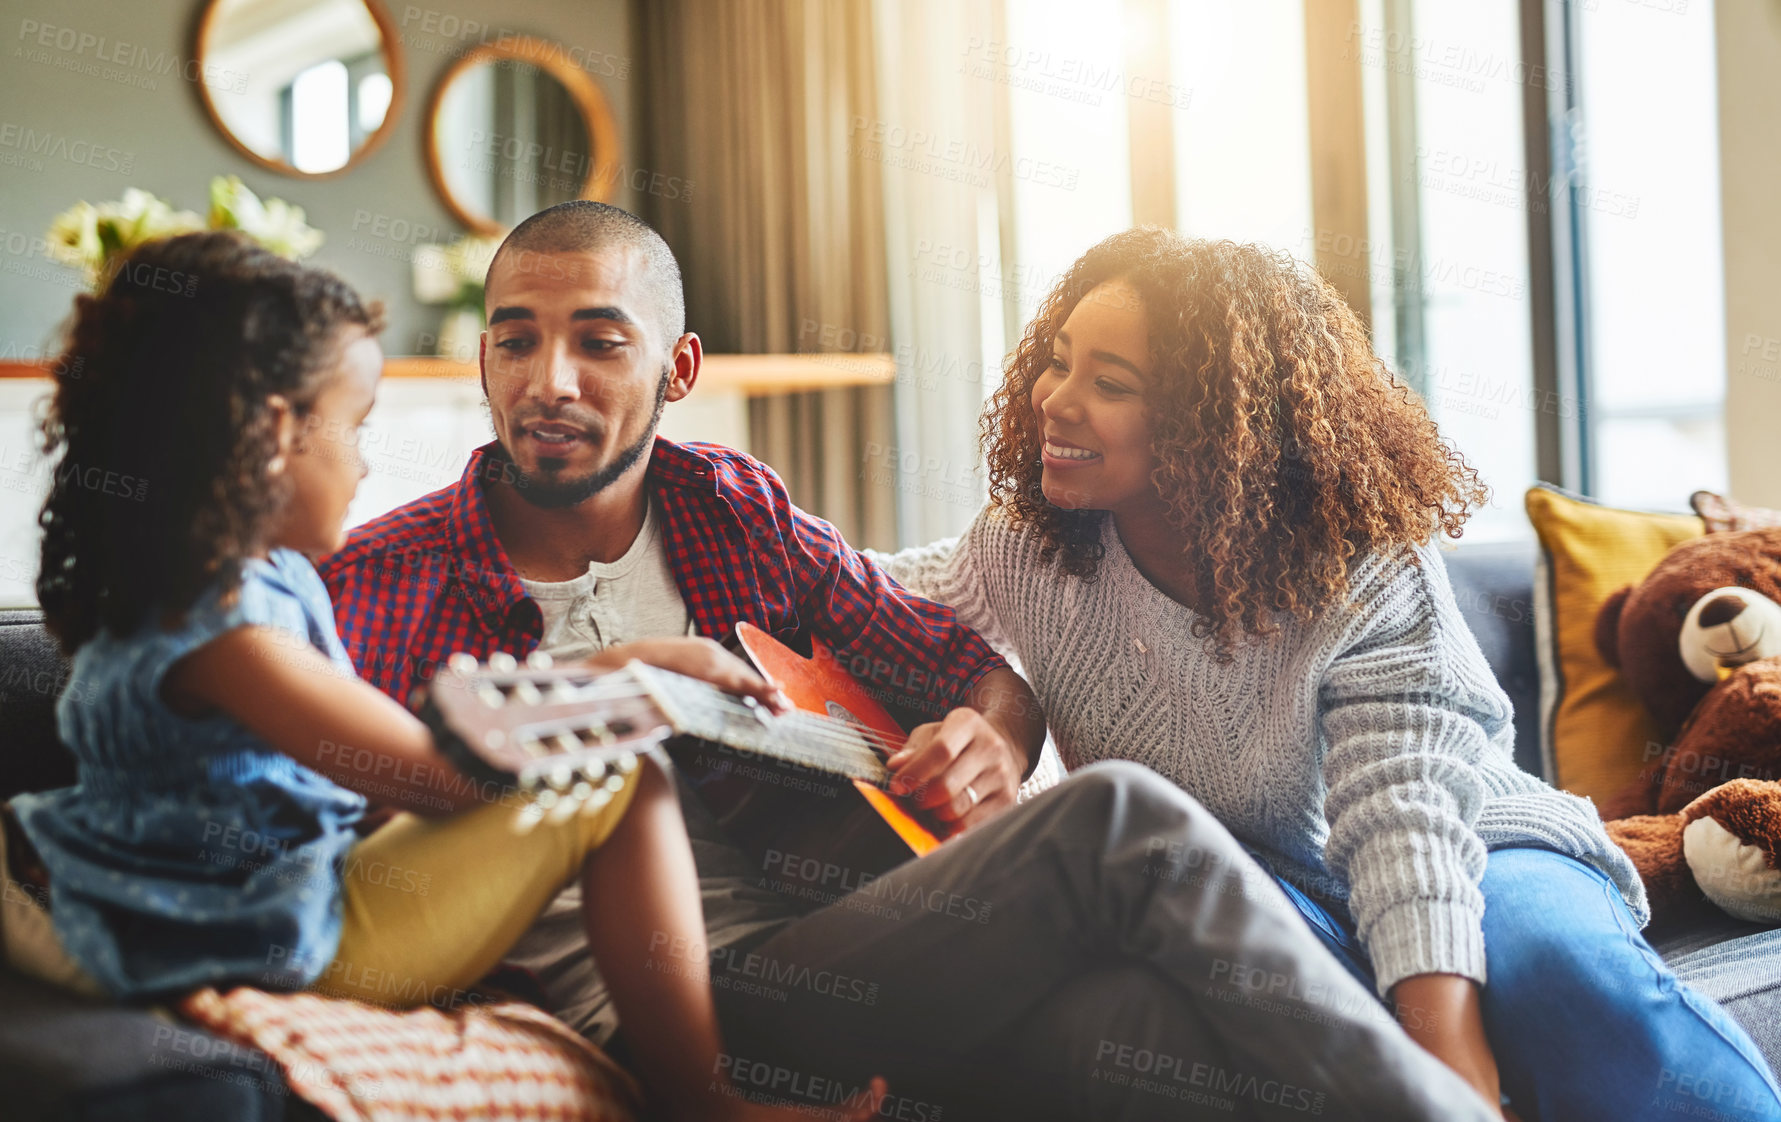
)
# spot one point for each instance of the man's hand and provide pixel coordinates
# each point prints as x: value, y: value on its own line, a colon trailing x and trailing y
x: 704, y: 659
x: 967, y: 768
x: 1443, y: 1013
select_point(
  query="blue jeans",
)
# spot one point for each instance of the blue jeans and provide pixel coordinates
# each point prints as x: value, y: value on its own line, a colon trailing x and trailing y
x: 1585, y: 1020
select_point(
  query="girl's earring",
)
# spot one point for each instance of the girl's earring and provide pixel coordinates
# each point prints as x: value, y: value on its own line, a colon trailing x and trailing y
x: 275, y: 466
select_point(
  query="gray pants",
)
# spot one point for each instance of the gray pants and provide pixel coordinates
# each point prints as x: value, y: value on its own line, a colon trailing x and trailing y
x: 1106, y: 951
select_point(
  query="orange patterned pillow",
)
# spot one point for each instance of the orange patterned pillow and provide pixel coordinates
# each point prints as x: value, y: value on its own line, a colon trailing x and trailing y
x: 362, y: 1063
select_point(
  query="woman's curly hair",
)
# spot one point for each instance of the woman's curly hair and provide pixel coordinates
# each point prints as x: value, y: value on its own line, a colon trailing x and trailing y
x: 161, y: 416
x: 1284, y: 448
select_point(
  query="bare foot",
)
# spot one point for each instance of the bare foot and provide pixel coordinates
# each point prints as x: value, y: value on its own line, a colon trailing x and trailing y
x: 863, y: 1111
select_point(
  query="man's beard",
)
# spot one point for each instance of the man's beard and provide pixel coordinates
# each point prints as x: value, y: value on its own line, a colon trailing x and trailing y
x: 555, y: 494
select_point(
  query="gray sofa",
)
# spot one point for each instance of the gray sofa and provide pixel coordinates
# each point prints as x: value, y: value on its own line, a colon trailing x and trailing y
x: 1736, y: 963
x: 62, y: 1058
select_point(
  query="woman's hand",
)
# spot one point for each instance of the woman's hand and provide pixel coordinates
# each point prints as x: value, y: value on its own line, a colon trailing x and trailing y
x: 704, y: 659
x: 968, y: 767
x: 1443, y: 1013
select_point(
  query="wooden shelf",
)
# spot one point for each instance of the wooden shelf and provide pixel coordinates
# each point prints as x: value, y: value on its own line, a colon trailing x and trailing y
x: 753, y: 375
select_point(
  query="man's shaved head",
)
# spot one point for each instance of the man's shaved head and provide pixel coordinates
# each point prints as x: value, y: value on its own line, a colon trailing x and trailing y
x: 583, y: 226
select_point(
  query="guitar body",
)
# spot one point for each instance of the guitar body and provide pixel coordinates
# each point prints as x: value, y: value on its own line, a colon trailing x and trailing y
x: 814, y: 835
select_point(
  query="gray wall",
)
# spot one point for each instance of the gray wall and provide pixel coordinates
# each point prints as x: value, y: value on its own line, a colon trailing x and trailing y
x: 115, y: 111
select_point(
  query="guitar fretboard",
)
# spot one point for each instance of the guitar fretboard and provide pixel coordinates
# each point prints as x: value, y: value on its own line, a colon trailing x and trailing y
x: 812, y: 741
x: 553, y: 716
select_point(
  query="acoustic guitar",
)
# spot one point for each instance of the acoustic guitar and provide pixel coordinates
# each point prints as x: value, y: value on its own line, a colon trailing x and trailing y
x: 804, y: 793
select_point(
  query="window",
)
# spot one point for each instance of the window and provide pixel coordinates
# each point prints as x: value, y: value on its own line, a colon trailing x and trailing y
x: 1647, y: 203
x: 1242, y: 144
x: 319, y: 120
x: 1069, y: 152
x: 1443, y: 88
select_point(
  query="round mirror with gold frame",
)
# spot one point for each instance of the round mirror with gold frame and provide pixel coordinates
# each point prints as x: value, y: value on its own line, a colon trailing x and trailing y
x: 515, y: 126
x: 303, y: 87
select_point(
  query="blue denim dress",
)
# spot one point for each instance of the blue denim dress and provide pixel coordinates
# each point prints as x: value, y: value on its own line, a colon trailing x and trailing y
x: 191, y: 852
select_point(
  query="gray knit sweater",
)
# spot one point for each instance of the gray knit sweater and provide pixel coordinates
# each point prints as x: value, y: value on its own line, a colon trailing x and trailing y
x: 1368, y: 752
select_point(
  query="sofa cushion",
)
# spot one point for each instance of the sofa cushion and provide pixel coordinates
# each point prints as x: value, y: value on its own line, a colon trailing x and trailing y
x: 32, y: 671
x: 1494, y: 585
x: 1737, y: 964
x: 366, y: 1063
x: 66, y: 1058
x: 1596, y: 734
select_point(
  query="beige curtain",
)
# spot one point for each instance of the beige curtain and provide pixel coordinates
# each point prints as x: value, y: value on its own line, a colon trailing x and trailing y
x: 782, y: 237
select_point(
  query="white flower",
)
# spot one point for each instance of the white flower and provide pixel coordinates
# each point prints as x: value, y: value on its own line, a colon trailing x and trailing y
x: 74, y: 237
x: 139, y: 217
x: 92, y: 238
x: 273, y: 223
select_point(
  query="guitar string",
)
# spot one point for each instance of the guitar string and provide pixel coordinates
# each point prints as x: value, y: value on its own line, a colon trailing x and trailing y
x: 842, y: 737
x: 829, y: 730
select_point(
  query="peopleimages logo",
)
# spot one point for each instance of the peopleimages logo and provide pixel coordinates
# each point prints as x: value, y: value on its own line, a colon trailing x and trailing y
x: 22, y: 143
x: 1176, y: 1077
x: 86, y: 52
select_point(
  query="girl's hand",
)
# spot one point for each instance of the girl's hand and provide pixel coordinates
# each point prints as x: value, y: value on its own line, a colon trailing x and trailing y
x: 1442, y: 1012
x: 704, y: 659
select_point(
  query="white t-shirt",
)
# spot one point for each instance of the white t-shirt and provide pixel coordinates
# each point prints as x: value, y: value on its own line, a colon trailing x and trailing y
x: 614, y: 601
x: 622, y: 601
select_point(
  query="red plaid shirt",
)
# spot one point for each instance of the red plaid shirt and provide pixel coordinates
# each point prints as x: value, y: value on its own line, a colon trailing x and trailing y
x: 430, y: 578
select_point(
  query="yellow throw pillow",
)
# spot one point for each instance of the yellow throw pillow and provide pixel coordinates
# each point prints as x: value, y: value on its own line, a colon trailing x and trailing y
x: 1595, y: 736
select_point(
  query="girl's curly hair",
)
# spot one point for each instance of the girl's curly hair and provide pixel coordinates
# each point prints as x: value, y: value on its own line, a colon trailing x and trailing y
x: 1284, y: 448
x: 165, y: 432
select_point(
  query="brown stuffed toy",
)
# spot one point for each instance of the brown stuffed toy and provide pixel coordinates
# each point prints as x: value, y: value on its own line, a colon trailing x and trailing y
x: 1699, y: 642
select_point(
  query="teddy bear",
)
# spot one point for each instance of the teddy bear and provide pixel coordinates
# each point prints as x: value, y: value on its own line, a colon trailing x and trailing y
x: 1698, y: 641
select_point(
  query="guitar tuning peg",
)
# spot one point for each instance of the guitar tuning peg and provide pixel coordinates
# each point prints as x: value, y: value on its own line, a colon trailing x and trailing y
x: 529, y: 782
x: 566, y: 742
x: 462, y: 662
x: 526, y: 693
x: 561, y: 776
x: 503, y: 663
x: 594, y: 769
x: 539, y: 660
x: 582, y: 791
x: 561, y: 690
x: 614, y: 783
x: 626, y: 762
x: 546, y: 800
x: 490, y: 696
x: 598, y: 733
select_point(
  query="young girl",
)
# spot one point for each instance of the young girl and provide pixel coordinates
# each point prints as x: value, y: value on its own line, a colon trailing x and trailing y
x: 1209, y: 543
x: 224, y: 744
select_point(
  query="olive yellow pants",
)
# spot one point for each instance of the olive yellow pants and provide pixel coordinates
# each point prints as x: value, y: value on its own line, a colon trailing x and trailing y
x: 432, y: 904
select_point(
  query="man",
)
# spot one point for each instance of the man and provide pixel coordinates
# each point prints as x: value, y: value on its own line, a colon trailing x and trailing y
x: 1030, y: 957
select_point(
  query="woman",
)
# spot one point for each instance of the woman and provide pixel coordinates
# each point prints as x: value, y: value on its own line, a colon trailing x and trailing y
x: 1209, y: 542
